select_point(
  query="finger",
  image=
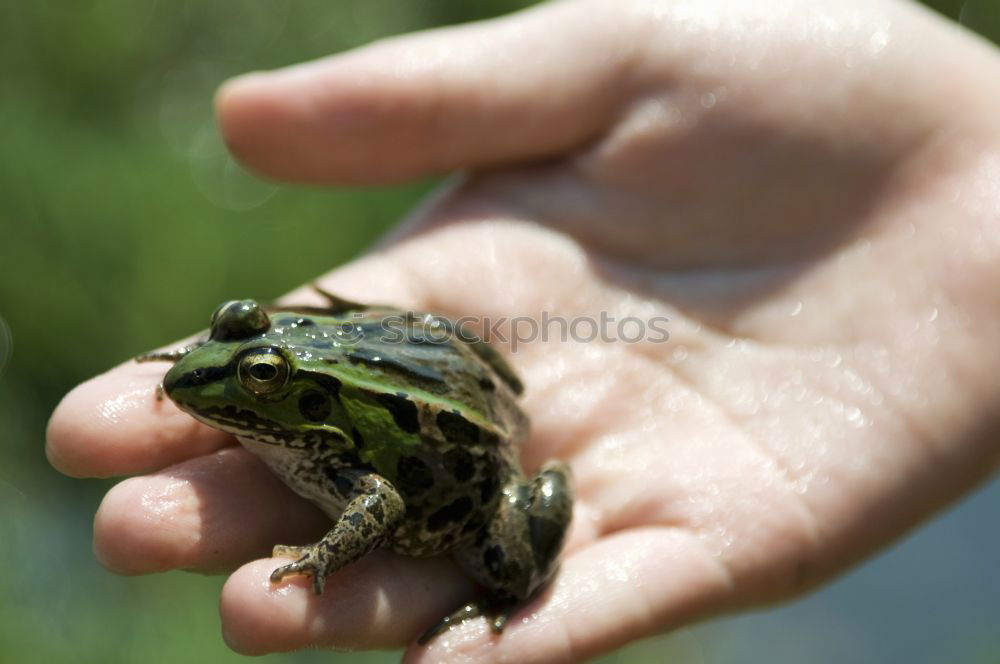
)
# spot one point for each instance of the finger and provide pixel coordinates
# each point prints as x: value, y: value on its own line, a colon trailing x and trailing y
x: 114, y: 425
x: 489, y: 92
x: 626, y: 586
x: 381, y: 601
x: 211, y: 513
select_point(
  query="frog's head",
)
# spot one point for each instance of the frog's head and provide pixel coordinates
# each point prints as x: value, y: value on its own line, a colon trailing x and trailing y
x: 245, y: 381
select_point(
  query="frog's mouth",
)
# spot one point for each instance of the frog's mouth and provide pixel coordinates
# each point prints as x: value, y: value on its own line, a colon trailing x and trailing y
x: 240, y: 422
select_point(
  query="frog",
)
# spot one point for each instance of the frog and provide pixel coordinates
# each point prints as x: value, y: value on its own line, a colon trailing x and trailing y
x: 403, y: 428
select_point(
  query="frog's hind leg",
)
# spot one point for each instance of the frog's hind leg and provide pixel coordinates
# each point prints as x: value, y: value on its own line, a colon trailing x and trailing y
x: 517, y: 551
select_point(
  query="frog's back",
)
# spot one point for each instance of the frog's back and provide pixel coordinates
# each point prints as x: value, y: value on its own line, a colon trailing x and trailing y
x: 409, y: 363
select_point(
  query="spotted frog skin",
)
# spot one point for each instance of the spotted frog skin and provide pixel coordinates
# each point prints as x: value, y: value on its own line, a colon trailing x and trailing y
x: 401, y: 428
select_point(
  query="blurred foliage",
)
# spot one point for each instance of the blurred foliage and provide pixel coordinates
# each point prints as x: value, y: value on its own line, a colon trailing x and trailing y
x: 123, y: 224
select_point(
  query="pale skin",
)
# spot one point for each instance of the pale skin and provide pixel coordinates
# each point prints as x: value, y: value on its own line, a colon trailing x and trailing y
x: 810, y: 194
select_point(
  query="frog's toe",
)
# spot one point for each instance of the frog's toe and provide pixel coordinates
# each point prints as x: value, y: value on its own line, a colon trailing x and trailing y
x: 319, y: 580
x: 457, y: 617
x: 307, y: 565
x: 498, y: 620
x: 496, y: 614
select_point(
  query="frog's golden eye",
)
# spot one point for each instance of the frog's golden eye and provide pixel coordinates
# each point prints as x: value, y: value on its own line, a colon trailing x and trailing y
x: 238, y: 319
x: 263, y: 371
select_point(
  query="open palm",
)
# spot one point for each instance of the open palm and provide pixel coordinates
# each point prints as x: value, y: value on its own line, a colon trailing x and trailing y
x: 807, y: 194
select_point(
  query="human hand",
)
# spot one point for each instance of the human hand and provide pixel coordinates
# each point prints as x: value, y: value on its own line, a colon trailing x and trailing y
x: 807, y: 193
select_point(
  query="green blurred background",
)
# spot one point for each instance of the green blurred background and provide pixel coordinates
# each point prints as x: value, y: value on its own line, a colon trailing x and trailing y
x: 123, y: 223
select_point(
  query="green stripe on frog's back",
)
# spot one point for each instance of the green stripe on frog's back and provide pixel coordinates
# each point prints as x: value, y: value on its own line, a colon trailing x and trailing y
x: 446, y: 375
x: 403, y: 400
x: 427, y: 377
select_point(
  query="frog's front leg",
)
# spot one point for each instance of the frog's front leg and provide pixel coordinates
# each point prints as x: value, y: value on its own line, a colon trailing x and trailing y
x: 373, y: 512
x: 518, y: 549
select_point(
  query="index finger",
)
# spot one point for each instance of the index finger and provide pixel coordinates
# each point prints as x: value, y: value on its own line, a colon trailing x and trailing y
x: 113, y: 424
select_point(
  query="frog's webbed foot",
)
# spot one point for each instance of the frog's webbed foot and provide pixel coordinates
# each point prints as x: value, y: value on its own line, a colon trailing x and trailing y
x: 496, y: 612
x: 310, y: 562
x: 371, y: 515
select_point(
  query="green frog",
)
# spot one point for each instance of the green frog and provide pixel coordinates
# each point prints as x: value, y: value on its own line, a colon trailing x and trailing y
x: 401, y: 427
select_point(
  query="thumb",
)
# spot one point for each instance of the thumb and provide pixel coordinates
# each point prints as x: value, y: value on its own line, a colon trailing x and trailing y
x: 521, y: 87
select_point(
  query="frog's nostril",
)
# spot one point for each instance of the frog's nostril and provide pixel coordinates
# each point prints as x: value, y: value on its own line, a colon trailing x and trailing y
x: 178, y: 379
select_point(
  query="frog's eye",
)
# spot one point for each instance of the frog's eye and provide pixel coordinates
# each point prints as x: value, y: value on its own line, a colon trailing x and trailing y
x: 263, y: 371
x: 238, y: 319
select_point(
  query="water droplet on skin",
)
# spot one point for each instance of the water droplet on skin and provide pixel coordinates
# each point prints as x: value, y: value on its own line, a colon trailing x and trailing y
x: 166, y: 500
x: 878, y: 41
x: 116, y: 409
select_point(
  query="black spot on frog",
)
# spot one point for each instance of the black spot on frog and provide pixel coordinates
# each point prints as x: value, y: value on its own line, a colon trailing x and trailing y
x: 314, y: 406
x: 453, y: 512
x: 413, y: 475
